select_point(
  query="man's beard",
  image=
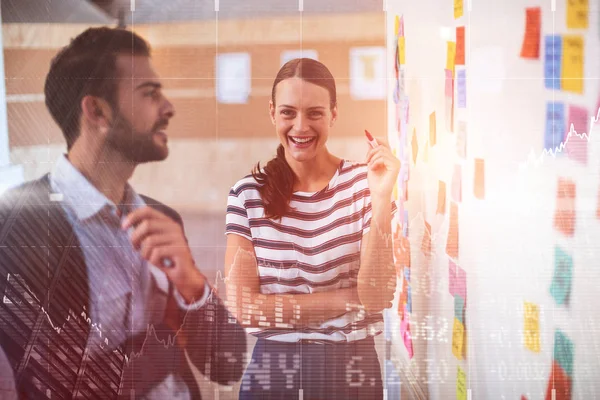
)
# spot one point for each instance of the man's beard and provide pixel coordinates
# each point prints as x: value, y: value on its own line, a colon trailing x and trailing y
x: 137, y: 147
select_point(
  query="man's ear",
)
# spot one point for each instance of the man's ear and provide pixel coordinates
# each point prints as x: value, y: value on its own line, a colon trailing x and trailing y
x: 272, y: 111
x: 97, y: 112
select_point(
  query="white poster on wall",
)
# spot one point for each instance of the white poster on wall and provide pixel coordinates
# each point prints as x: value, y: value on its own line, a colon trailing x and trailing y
x: 288, y: 55
x: 367, y: 73
x: 233, y: 78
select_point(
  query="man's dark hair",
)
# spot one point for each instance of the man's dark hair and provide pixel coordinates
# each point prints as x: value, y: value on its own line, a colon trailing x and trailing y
x: 87, y: 66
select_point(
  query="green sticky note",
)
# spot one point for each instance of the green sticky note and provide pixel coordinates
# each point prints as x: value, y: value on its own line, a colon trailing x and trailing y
x: 560, y: 288
x: 459, y: 308
x: 563, y: 352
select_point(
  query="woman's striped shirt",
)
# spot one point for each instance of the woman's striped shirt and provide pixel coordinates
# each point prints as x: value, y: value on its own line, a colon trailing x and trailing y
x: 314, y: 248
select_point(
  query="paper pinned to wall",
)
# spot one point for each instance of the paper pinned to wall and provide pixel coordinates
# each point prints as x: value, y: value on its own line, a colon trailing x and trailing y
x: 460, y: 46
x: 432, y: 129
x: 578, y: 14
x: 552, y: 61
x: 572, y: 64
x: 462, y: 88
x: 555, y: 125
x: 452, y: 242
x: 564, y: 216
x: 451, y: 56
x: 233, y: 78
x: 458, y: 334
x: 531, y: 331
x: 531, y: 40
x: 367, y: 73
x: 577, y: 142
x: 458, y: 8
x: 441, y: 205
x: 479, y: 184
x: 461, y: 384
x: 288, y: 55
x: 560, y: 288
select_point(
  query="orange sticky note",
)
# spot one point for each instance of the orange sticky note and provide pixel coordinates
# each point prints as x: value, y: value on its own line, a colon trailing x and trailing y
x: 426, y: 243
x: 531, y: 40
x: 441, y: 205
x: 415, y: 145
x: 479, y: 188
x: 460, y: 46
x: 452, y: 242
x: 564, y: 217
x: 432, y: 129
x: 560, y: 382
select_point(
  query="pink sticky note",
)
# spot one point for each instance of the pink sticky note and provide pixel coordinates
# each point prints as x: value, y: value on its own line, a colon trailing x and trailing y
x: 457, y: 280
x: 449, y: 83
x: 456, y: 184
x: 406, y: 337
x: 576, y: 141
x: 452, y: 277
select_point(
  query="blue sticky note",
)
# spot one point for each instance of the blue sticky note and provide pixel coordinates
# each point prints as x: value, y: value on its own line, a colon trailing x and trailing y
x: 563, y: 352
x: 560, y: 289
x: 409, y: 300
x: 407, y: 274
x: 552, y: 61
x: 459, y: 308
x: 555, y: 125
x: 462, y: 88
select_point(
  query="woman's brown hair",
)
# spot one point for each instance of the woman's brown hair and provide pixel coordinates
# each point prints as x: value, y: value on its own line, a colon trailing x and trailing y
x: 277, y: 178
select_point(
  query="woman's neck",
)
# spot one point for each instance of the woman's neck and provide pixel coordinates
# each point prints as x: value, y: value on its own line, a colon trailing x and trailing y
x: 313, y: 175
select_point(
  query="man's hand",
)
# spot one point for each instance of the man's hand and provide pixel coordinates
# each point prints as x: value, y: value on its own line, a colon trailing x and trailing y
x: 156, y: 237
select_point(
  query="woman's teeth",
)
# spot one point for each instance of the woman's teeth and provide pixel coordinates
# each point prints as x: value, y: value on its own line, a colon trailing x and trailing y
x: 301, y: 140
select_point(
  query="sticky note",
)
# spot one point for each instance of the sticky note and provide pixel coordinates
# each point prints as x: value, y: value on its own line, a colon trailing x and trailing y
x: 415, y: 146
x: 531, y: 332
x: 559, y: 382
x: 563, y: 352
x: 406, y: 337
x: 461, y: 140
x: 457, y: 280
x: 441, y: 205
x: 576, y: 142
x: 531, y: 40
x: 458, y: 334
x: 449, y: 83
x: 479, y: 185
x: 555, y: 126
x: 426, y: 242
x: 450, y: 60
x: 577, y: 14
x: 560, y: 288
x: 456, y: 184
x: 564, y: 216
x: 432, y: 129
x: 462, y: 88
x: 458, y: 9
x: 572, y: 64
x: 405, y: 227
x: 452, y: 242
x: 459, y: 308
x: 552, y: 61
x: 401, y: 50
x: 461, y: 384
x: 460, y: 46
x: 449, y: 113
x: 396, y: 25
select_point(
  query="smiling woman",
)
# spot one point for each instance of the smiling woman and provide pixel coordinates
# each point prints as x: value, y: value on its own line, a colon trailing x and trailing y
x: 307, y: 279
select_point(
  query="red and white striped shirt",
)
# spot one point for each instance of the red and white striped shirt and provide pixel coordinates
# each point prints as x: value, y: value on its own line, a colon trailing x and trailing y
x: 315, y: 248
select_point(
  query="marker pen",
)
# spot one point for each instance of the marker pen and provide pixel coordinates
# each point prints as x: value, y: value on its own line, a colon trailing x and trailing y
x: 372, y: 140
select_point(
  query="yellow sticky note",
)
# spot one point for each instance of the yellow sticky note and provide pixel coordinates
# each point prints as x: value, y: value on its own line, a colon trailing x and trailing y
x: 458, y: 333
x: 396, y: 25
x: 451, y: 56
x: 572, y: 63
x: 461, y: 384
x: 401, y: 50
x: 458, y: 9
x: 578, y: 14
x: 531, y: 333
